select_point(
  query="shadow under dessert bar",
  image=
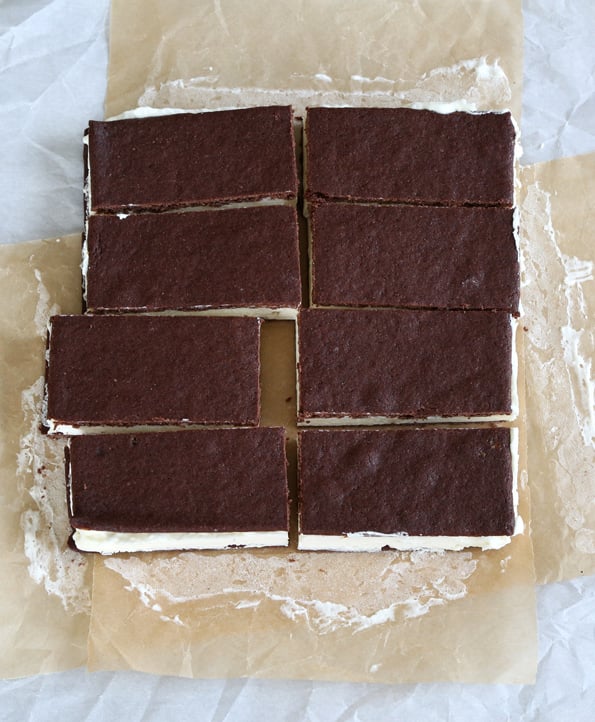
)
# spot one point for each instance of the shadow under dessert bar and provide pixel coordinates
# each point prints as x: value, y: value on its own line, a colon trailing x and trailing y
x: 107, y: 370
x: 205, y: 489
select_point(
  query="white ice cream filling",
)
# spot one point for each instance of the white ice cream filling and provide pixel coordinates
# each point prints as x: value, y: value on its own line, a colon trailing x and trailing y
x: 374, y: 542
x: 111, y: 542
x: 269, y: 313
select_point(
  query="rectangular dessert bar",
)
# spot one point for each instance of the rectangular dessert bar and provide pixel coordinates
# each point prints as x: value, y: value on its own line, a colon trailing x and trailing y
x: 413, y: 256
x: 206, y: 489
x: 402, y: 155
x: 435, y: 488
x: 144, y: 370
x: 245, y: 260
x: 190, y: 159
x: 382, y: 366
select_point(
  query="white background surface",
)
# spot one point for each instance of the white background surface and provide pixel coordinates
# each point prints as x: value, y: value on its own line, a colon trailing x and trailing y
x: 53, y: 59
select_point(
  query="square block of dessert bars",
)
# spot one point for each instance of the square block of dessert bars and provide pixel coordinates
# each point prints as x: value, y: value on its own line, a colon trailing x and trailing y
x: 413, y: 256
x: 206, y: 489
x: 144, y: 370
x: 436, y: 488
x: 189, y: 159
x: 402, y: 155
x: 380, y: 366
x: 245, y: 260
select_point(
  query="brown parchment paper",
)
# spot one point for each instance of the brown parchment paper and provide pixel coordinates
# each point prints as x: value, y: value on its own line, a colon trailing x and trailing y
x: 557, y: 221
x: 176, y: 53
x: 45, y: 596
x: 388, y: 617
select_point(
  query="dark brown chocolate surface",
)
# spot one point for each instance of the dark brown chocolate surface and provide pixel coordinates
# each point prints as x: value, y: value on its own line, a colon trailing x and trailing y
x: 414, y: 256
x: 189, y: 159
x: 225, y: 258
x: 451, y: 482
x: 126, y: 370
x: 186, y: 481
x: 403, y: 363
x: 409, y: 156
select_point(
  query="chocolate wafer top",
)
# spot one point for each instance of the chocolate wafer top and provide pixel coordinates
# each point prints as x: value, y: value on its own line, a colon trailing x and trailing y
x: 244, y: 257
x: 404, y: 363
x: 452, y: 482
x: 127, y: 370
x: 414, y: 256
x: 402, y: 155
x: 185, y: 159
x: 213, y: 480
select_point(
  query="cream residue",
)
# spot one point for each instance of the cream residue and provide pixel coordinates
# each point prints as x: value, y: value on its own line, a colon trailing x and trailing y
x: 43, y: 309
x: 40, y: 474
x: 45, y: 525
x: 471, y: 84
x: 481, y: 84
x: 324, y: 590
x: 558, y: 353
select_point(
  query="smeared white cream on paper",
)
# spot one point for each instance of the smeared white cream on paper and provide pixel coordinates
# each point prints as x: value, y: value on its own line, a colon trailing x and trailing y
x: 470, y: 84
x: 560, y: 346
x: 40, y: 470
x: 390, y: 585
x: 45, y: 524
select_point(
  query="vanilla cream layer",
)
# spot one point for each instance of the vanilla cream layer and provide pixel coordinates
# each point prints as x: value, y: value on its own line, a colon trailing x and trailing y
x: 59, y: 428
x: 370, y: 541
x: 398, y: 420
x: 265, y: 312
x: 373, y: 542
x: 110, y: 542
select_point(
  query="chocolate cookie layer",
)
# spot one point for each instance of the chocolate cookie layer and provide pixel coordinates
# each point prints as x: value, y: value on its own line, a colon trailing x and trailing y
x: 186, y: 159
x: 137, y: 370
x: 403, y: 155
x: 210, y: 481
x: 240, y: 258
x: 417, y: 482
x: 413, y: 256
x: 374, y: 366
